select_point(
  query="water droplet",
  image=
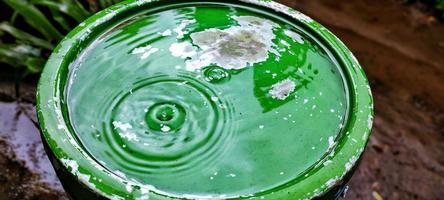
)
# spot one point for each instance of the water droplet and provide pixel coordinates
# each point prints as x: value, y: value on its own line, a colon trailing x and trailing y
x: 165, y: 117
x: 215, y: 74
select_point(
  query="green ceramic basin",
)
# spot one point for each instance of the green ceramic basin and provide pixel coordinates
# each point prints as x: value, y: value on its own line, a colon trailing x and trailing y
x: 203, y: 100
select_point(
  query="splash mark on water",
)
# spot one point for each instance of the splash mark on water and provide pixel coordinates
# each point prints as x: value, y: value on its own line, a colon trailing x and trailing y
x: 165, y: 128
x: 234, y: 48
x: 283, y: 89
x: 146, y: 51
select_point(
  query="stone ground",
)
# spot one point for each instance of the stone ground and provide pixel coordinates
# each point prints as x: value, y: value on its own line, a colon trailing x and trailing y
x: 401, y: 47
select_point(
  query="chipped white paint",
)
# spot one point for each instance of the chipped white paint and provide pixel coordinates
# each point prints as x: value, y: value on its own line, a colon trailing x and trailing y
x: 327, y: 162
x: 369, y: 126
x: 146, y: 51
x: 283, y: 89
x: 124, y: 127
x: 370, y: 121
x: 107, y: 17
x: 84, y: 178
x: 167, y: 32
x: 332, y: 181
x: 285, y: 43
x: 141, y: 2
x: 182, y: 50
x: 300, y: 16
x: 295, y: 36
x: 180, y: 29
x: 129, y: 188
x: 199, y: 197
x: 130, y: 136
x: 351, y: 162
x: 331, y: 142
x: 282, y: 9
x: 115, y: 197
x: 72, y: 164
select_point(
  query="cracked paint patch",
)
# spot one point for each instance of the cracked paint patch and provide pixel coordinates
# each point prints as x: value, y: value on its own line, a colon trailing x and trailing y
x: 234, y: 48
x: 283, y: 89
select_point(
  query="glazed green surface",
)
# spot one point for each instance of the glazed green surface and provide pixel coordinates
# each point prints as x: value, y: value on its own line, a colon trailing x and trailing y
x: 117, y: 111
x: 206, y: 131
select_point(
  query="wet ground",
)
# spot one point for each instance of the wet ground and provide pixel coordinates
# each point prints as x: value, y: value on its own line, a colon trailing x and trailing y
x: 402, y: 50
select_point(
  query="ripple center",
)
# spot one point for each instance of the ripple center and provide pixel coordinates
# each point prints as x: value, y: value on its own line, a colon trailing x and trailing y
x: 165, y: 117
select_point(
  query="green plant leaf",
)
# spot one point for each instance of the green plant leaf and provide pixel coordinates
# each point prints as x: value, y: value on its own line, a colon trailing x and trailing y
x: 34, y: 65
x: 35, y: 18
x: 440, y: 5
x: 60, y: 19
x: 20, y: 55
x: 25, y: 37
x: 69, y: 7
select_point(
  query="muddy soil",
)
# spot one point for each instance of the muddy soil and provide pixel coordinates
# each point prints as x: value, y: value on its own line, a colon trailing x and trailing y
x: 401, y: 48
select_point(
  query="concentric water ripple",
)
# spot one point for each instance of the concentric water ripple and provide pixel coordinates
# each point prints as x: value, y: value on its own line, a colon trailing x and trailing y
x: 152, y: 104
x: 195, y: 133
